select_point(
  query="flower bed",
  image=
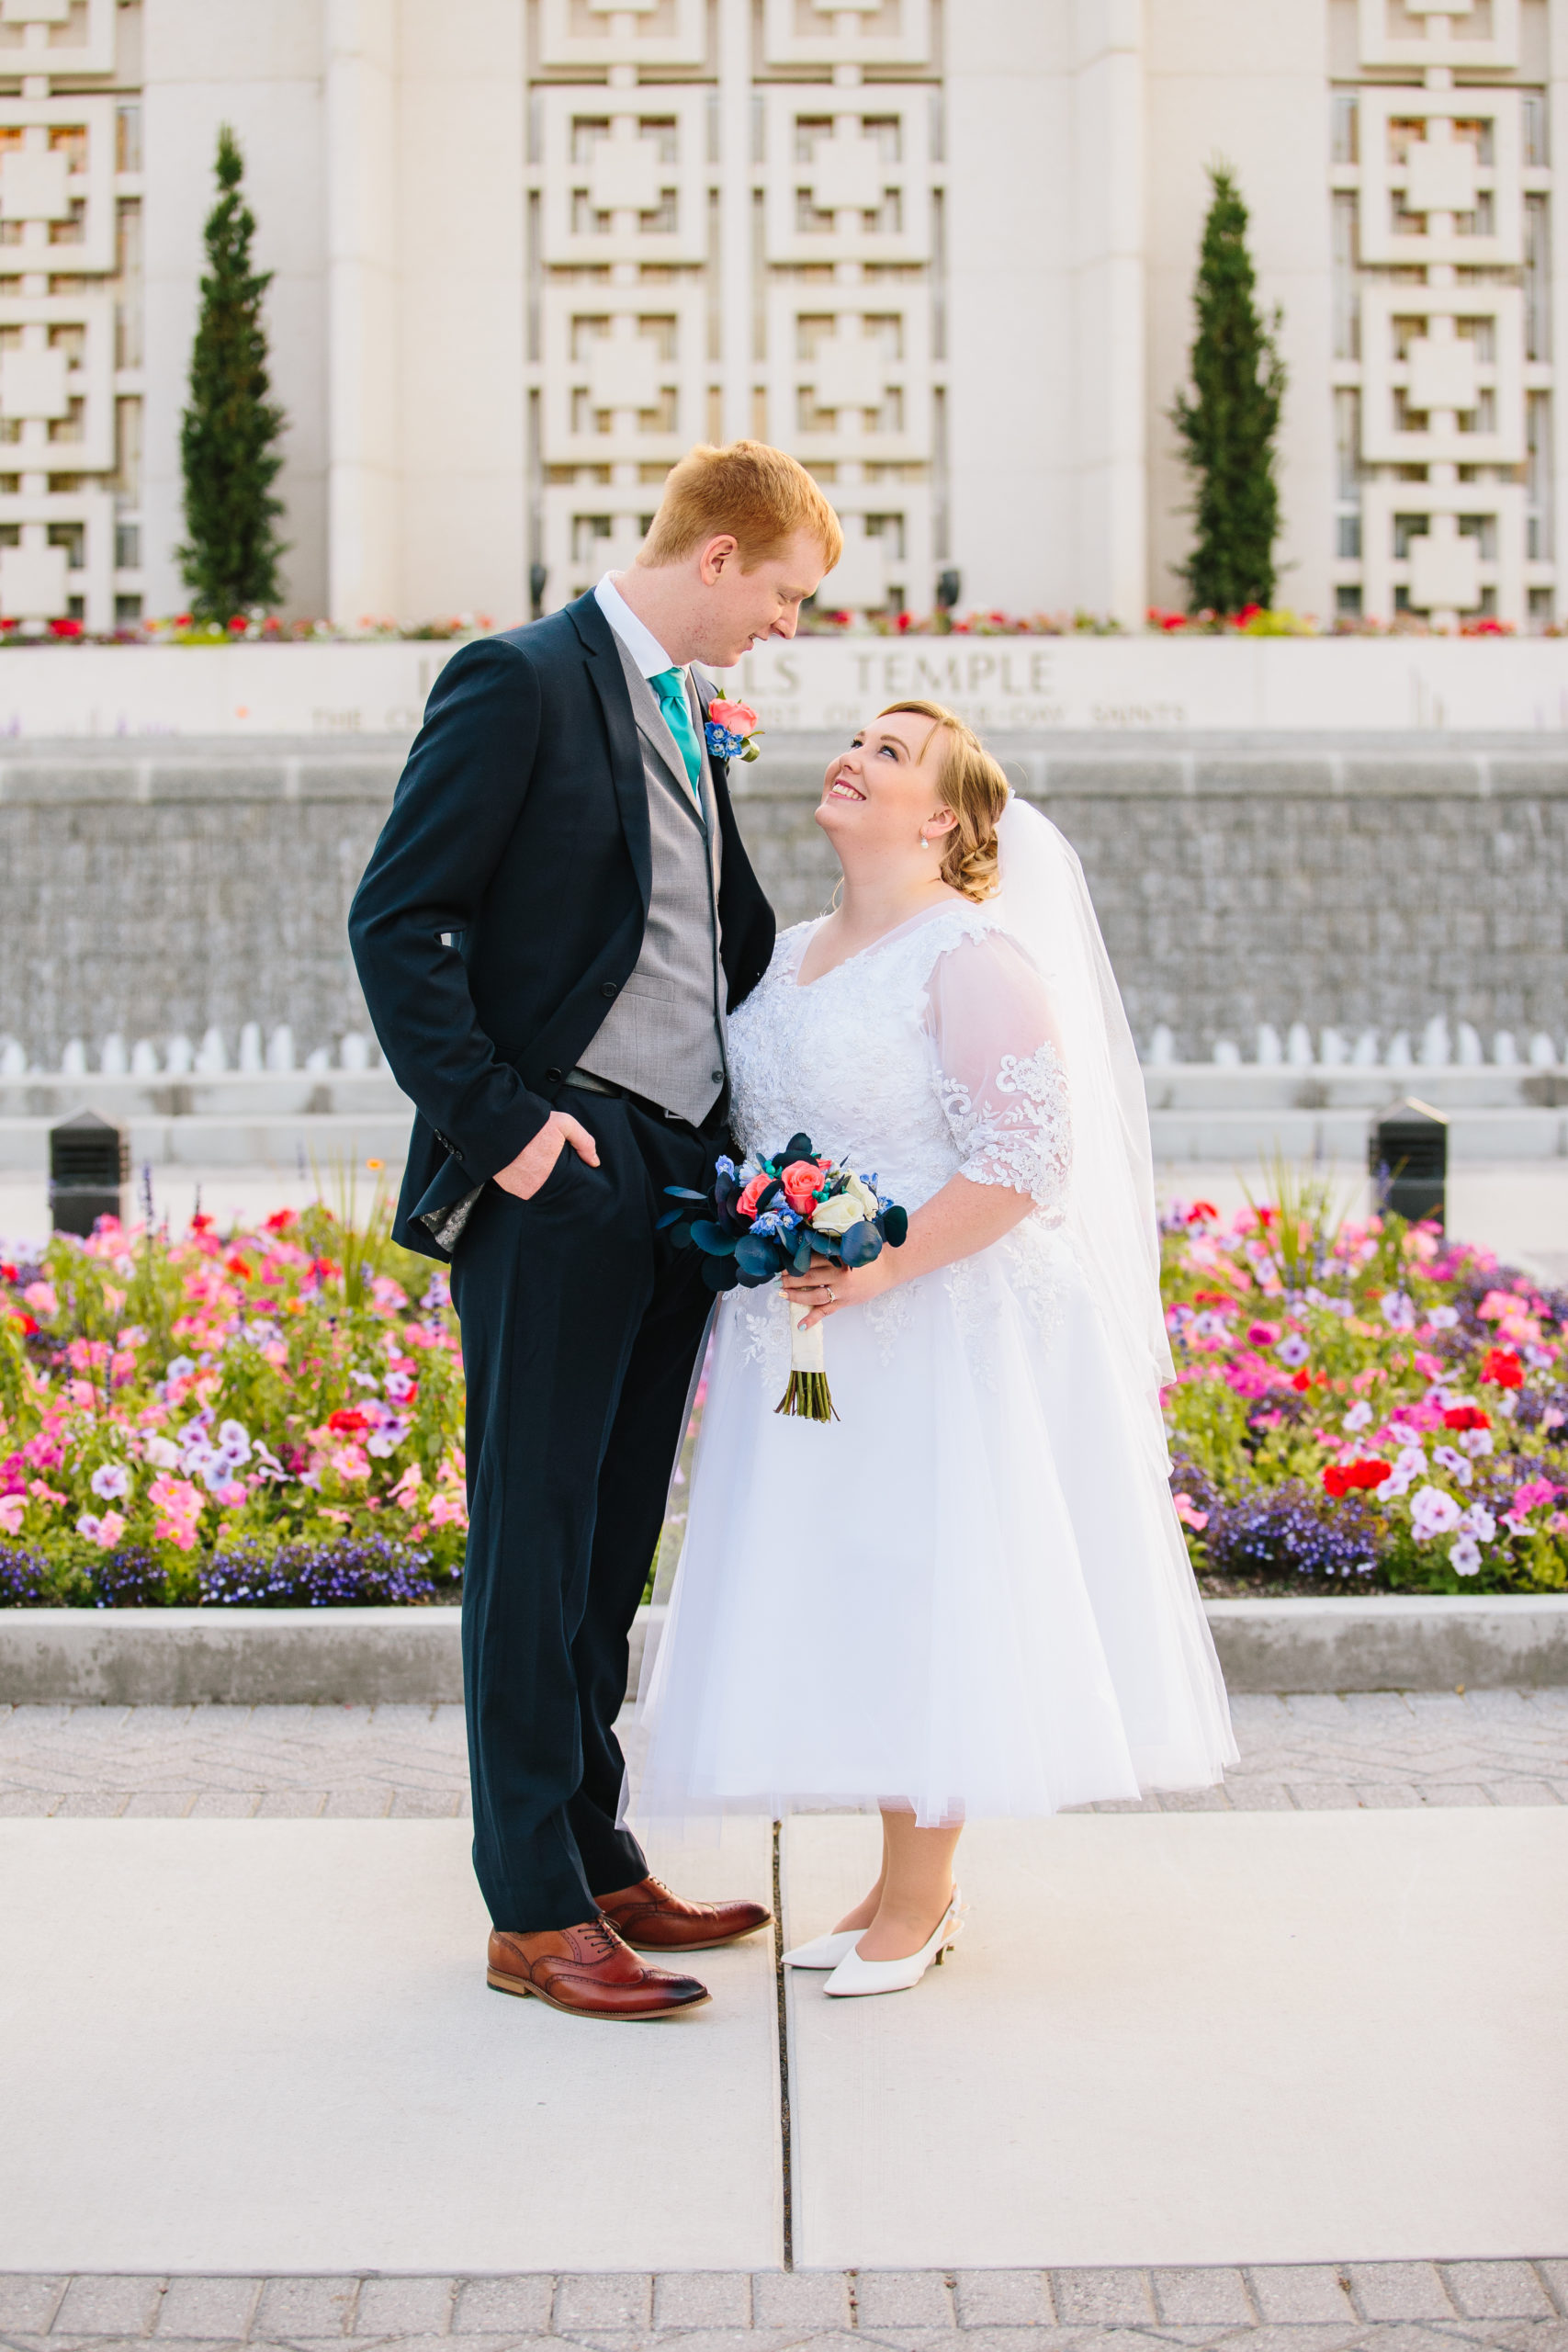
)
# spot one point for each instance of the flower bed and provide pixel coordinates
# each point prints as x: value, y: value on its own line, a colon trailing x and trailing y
x: 1362, y: 1407
x: 274, y: 1418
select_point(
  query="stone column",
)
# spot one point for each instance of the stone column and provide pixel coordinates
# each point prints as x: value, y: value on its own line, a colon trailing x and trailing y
x: 1110, y: 386
x: 364, y: 482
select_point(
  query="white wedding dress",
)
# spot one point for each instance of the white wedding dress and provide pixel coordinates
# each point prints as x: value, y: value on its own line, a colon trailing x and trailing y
x: 968, y: 1595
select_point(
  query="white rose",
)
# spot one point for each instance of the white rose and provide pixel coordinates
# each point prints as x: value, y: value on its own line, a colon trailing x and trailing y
x: 836, y: 1215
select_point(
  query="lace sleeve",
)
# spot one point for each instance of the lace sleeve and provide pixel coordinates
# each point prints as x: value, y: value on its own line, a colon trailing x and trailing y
x: 1000, y: 1073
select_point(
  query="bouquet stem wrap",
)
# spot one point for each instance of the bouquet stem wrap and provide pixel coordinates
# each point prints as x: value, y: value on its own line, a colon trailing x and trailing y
x: 808, y: 1395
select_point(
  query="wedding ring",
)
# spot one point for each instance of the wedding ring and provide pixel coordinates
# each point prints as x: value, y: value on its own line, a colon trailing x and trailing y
x: 828, y: 1288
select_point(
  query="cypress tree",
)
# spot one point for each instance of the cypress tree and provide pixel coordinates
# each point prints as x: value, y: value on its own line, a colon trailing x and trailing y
x: 231, y: 558
x: 1229, y: 427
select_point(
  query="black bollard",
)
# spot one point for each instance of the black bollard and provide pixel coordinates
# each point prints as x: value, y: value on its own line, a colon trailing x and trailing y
x: 1408, y: 1159
x: 88, y: 1163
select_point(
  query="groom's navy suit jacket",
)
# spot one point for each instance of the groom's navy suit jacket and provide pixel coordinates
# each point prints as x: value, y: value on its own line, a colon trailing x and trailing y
x: 503, y: 906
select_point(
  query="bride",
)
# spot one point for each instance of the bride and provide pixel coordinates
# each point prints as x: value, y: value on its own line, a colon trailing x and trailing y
x: 969, y: 1596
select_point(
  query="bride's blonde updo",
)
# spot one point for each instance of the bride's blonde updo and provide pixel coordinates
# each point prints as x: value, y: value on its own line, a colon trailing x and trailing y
x: 975, y: 790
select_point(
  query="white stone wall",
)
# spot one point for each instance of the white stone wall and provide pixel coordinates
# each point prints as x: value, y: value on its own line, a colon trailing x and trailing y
x: 257, y: 69
x: 1244, y: 80
x: 527, y: 250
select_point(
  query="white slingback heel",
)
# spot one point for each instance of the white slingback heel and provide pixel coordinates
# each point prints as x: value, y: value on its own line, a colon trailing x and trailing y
x: 824, y: 1951
x: 854, y: 1975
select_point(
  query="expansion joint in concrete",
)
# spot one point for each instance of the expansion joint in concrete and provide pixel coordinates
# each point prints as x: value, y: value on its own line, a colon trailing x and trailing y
x: 781, y: 1997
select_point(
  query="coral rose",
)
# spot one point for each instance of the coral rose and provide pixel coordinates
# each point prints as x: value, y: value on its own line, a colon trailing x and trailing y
x: 735, y: 717
x: 747, y: 1204
x: 800, y: 1180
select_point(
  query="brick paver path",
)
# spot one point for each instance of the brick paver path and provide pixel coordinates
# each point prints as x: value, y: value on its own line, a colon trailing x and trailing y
x: 1376, y: 1748
x: 1385, y: 2306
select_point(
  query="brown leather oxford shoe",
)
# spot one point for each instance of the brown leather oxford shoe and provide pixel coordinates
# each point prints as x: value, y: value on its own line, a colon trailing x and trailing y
x: 588, y: 1972
x: 650, y: 1916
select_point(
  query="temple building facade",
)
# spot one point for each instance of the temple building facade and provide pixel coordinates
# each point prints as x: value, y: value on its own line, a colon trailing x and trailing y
x: 525, y: 252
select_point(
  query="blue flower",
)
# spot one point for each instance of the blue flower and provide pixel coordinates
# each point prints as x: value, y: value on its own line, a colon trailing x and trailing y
x: 724, y: 745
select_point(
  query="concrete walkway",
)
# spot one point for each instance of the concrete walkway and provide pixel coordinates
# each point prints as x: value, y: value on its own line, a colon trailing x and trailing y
x: 251, y: 2045
x: 1306, y: 1753
x: 1384, y: 2306
x: 1321, y: 2024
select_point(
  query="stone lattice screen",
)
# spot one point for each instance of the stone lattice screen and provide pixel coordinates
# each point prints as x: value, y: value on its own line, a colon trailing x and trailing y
x: 70, y: 381
x: 698, y: 286
x: 1442, y: 333
x: 1352, y: 884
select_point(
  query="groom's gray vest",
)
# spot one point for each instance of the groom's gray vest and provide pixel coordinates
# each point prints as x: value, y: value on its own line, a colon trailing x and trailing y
x: 663, y: 1036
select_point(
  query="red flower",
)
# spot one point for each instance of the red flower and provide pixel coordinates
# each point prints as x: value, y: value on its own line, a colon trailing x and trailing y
x: 278, y: 1222
x: 25, y: 1324
x: 347, y: 1420
x: 325, y: 1268
x: 1503, y: 1367
x: 7, y: 1273
x: 1202, y: 1212
x: 1466, y: 1417
x: 65, y: 628
x: 1301, y: 1382
x: 237, y: 624
x: 747, y: 1204
x: 1341, y: 1477
x: 201, y: 1222
x: 238, y: 1268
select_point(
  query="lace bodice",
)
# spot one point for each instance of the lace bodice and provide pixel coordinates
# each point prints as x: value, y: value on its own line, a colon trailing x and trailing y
x: 928, y: 1054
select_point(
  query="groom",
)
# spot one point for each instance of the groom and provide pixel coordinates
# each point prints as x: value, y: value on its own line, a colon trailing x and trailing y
x: 556, y: 920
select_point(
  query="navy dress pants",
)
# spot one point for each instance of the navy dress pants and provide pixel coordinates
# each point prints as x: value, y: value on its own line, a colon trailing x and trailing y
x: 580, y: 1328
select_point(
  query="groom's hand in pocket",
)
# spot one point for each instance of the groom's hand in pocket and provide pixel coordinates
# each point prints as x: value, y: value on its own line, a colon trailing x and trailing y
x: 523, y: 1176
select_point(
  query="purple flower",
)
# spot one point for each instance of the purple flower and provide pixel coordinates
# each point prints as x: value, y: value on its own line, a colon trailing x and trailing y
x: 111, y: 1481
x: 1292, y: 1349
x: 1432, y: 1512
x: 352, y: 1572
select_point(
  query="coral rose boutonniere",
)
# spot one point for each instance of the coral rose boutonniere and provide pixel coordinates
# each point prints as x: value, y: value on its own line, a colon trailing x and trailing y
x: 732, y: 729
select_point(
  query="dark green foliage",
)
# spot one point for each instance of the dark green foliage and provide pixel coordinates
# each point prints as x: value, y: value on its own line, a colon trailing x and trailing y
x: 229, y: 560
x: 1229, y: 427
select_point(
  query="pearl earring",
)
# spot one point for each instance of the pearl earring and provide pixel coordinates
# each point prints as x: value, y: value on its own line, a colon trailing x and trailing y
x: 924, y: 843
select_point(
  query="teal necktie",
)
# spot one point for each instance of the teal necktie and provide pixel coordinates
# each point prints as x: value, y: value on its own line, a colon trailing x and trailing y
x: 671, y: 688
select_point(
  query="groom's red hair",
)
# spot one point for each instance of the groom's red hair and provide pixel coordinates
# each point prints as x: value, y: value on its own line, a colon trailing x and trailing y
x: 750, y: 489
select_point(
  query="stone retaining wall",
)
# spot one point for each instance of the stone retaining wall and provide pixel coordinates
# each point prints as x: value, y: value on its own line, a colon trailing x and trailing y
x: 1359, y: 882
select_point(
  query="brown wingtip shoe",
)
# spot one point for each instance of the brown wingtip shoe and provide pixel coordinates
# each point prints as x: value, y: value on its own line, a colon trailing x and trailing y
x: 650, y: 1916
x: 588, y: 1972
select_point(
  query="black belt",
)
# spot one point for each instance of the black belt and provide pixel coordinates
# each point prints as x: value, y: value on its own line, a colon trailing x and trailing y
x: 586, y: 1084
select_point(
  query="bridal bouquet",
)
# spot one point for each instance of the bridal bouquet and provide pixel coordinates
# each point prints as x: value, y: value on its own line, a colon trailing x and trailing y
x: 770, y: 1216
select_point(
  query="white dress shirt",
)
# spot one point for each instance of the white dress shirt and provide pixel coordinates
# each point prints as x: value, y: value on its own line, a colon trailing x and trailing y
x: 635, y: 635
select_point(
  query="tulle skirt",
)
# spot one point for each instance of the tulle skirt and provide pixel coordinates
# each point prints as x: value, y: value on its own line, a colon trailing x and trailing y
x: 969, y: 1596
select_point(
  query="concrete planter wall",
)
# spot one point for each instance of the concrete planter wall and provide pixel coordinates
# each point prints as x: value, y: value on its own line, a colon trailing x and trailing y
x: 176, y: 1658
x: 1129, y: 683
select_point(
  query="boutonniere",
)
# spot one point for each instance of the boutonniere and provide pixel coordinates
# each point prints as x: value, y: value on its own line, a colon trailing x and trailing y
x: 732, y: 729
